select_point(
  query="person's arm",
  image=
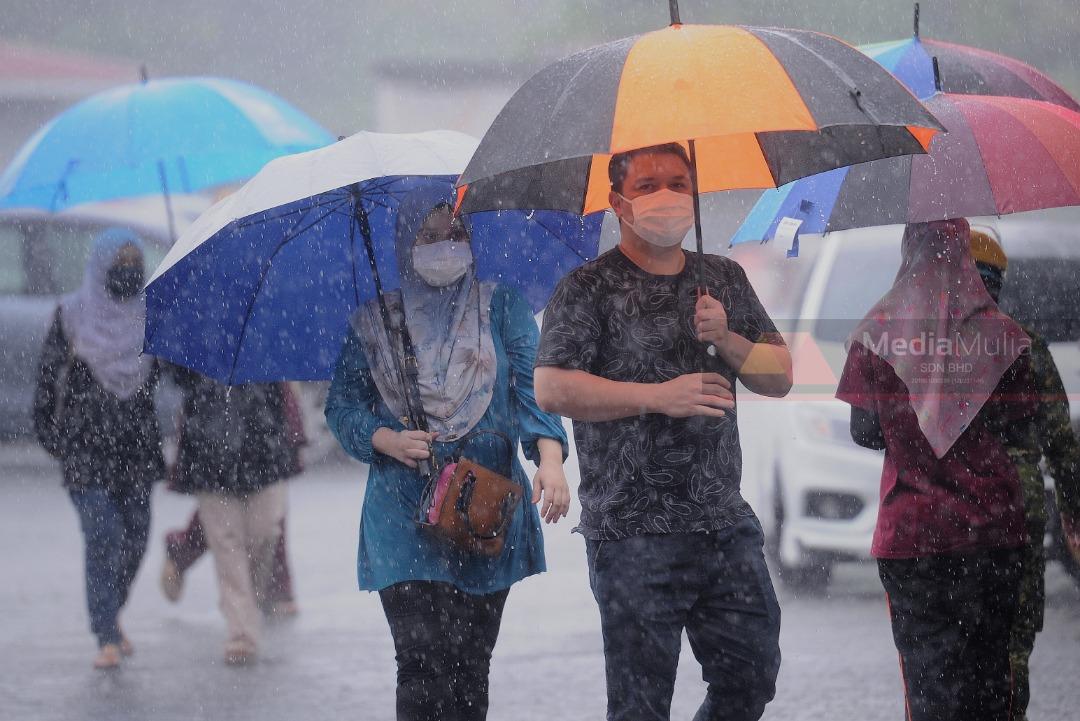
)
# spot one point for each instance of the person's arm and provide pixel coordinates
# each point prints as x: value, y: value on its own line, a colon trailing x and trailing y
x: 746, y: 338
x: 54, y: 356
x: 586, y: 397
x: 764, y: 367
x: 351, y: 417
x: 565, y: 384
x: 1061, y: 451
x: 543, y: 438
x: 857, y: 388
x: 866, y: 429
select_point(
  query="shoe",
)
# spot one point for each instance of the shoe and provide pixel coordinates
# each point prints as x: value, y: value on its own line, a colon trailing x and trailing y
x: 239, y: 652
x: 172, y: 581
x: 108, y: 657
x: 126, y: 648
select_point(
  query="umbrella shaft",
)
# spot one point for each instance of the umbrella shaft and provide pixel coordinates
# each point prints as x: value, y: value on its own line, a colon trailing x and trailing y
x: 702, y: 288
x: 168, y: 201
x: 407, y: 368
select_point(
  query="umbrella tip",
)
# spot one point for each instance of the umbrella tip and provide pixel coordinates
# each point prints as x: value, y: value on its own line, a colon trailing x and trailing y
x: 937, y: 74
x: 144, y: 75
x: 916, y: 20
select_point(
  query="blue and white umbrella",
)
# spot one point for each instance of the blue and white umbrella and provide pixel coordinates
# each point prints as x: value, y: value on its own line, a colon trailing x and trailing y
x: 174, y: 135
x: 261, y: 287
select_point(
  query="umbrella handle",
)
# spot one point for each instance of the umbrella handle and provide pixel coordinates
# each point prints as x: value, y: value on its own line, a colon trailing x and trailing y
x: 703, y: 289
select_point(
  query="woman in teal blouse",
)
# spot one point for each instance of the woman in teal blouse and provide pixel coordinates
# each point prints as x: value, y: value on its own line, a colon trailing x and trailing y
x: 475, y: 342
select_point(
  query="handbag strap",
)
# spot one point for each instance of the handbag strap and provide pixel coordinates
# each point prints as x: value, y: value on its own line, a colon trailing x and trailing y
x: 460, y: 445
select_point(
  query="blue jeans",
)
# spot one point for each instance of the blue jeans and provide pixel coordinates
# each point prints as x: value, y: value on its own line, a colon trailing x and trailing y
x: 715, y: 586
x: 115, y: 528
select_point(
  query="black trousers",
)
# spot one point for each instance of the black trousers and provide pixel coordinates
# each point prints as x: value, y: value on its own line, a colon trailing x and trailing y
x: 443, y: 638
x: 951, y: 618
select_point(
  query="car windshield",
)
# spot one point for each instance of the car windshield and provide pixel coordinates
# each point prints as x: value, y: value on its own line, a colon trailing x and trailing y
x: 861, y: 273
x: 1042, y: 293
x: 56, y: 256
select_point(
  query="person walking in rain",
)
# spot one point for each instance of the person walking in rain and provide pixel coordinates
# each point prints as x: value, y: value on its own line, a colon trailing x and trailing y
x: 234, y: 455
x: 475, y: 345
x: 185, y: 546
x: 94, y: 411
x: 671, y: 544
x: 936, y: 375
x: 1049, y: 437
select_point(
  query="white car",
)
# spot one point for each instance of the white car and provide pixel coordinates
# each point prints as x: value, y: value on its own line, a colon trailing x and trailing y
x: 815, y: 491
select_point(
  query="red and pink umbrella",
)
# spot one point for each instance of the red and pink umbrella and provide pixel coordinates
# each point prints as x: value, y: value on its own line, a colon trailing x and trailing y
x: 1000, y: 155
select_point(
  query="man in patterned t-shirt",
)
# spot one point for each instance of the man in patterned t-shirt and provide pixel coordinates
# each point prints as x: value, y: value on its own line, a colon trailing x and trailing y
x: 671, y: 544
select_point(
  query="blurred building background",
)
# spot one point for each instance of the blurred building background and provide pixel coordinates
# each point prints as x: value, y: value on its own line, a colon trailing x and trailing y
x: 417, y: 64
x: 37, y: 82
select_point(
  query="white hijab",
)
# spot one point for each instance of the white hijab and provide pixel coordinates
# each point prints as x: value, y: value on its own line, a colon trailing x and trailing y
x: 105, y: 333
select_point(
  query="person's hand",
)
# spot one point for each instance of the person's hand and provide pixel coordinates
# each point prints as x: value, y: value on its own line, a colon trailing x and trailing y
x: 694, y: 394
x: 710, y: 321
x: 1070, y: 530
x: 550, y: 481
x: 406, y: 447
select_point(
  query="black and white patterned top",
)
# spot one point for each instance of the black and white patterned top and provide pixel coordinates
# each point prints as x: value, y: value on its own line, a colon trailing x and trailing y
x: 651, y: 473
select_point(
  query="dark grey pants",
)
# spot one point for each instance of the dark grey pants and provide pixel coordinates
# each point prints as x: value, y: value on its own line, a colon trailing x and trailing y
x: 444, y: 638
x: 716, y: 587
x: 951, y: 619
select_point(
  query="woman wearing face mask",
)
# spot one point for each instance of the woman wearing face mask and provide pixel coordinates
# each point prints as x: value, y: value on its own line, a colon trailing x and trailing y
x: 94, y: 411
x: 475, y: 343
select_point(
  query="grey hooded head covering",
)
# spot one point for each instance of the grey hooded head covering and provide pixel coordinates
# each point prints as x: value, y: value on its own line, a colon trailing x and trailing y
x: 105, y: 333
x: 450, y: 329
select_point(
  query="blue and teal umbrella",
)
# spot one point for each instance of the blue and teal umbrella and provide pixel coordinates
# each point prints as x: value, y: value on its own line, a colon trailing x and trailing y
x: 173, y: 135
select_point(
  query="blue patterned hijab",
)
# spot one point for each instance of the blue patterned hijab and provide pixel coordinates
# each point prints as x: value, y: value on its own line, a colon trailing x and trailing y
x: 450, y: 329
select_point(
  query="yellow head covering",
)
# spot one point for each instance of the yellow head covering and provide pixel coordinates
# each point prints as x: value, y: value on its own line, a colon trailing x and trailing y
x: 986, y: 249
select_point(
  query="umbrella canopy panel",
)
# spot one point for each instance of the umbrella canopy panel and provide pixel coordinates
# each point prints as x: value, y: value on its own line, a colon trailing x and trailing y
x: 965, y: 71
x: 764, y: 106
x: 268, y: 297
x: 197, y: 132
x: 999, y: 156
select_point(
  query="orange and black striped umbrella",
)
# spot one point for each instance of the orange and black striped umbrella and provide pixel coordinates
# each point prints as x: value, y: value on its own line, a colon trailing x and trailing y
x: 760, y: 106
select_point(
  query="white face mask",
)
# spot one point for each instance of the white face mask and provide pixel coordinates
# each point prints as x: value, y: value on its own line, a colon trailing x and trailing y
x: 662, y: 218
x: 442, y: 263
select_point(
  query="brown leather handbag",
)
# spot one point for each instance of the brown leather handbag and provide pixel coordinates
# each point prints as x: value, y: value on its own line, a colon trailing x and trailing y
x: 471, y: 506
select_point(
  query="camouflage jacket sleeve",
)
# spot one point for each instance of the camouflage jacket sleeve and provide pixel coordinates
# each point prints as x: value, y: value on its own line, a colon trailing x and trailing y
x: 1060, y: 448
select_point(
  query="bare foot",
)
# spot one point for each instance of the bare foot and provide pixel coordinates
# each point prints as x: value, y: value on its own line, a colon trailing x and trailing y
x: 172, y: 581
x: 239, y: 652
x: 108, y: 657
